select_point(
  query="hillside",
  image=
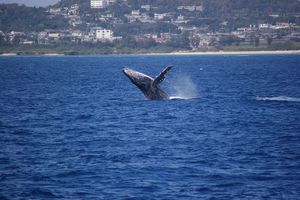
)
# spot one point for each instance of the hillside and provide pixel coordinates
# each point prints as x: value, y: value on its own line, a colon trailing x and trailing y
x: 236, y: 12
x: 14, y: 17
x: 128, y: 26
x: 213, y: 8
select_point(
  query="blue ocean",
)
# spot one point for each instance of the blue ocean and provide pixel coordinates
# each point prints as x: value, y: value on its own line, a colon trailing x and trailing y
x: 76, y: 128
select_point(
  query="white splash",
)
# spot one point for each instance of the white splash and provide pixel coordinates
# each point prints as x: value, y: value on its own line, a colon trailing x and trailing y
x: 279, y: 98
x: 178, y: 97
x: 184, y: 88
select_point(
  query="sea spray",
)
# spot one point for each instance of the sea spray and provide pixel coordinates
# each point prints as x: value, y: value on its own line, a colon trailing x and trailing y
x: 184, y: 87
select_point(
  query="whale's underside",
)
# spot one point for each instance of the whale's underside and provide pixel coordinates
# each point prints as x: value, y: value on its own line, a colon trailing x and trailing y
x: 148, y: 85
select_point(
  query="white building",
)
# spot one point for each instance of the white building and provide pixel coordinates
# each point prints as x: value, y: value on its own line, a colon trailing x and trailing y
x: 98, y: 3
x: 77, y: 34
x: 54, y: 11
x: 159, y: 16
x: 135, y: 13
x: 146, y: 7
x: 101, y: 3
x: 74, y: 9
x: 191, y: 8
x: 264, y: 26
x: 104, y: 34
x: 54, y: 36
x: 111, y: 1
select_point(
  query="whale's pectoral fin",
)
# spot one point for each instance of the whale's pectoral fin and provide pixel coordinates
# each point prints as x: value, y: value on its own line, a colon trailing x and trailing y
x: 162, y: 75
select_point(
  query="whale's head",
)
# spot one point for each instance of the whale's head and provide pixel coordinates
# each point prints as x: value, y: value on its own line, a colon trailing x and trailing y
x: 141, y: 80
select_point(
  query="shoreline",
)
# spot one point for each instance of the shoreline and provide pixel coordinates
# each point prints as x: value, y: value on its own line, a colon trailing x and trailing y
x: 277, y: 52
x: 179, y: 53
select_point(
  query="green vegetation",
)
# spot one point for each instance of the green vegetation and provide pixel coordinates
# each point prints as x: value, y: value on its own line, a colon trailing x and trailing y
x: 276, y: 45
x: 14, y: 17
x: 238, y: 13
x: 142, y: 28
x: 27, y: 30
x: 106, y: 48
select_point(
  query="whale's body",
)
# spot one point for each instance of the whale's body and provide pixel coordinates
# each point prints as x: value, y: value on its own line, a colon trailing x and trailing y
x: 148, y: 85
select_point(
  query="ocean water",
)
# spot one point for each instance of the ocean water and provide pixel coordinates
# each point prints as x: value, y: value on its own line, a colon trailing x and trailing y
x: 77, y: 128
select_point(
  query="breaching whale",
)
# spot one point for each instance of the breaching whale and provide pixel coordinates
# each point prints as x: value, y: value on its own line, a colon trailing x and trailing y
x: 149, y: 86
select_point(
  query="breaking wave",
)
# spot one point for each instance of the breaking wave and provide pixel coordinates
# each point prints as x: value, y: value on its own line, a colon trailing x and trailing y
x: 181, y: 98
x: 279, y: 98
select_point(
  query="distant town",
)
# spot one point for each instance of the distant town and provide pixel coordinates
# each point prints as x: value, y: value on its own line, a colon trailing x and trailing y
x: 147, y: 27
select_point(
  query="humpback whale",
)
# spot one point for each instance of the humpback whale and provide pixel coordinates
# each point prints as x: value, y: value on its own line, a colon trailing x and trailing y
x: 148, y: 85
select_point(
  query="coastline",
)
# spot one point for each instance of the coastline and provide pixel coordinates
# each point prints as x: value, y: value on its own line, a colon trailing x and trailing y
x: 179, y: 53
x: 230, y: 52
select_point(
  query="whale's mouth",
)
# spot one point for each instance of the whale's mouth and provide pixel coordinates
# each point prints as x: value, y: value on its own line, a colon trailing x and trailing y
x: 125, y: 71
x: 129, y: 73
x: 134, y: 75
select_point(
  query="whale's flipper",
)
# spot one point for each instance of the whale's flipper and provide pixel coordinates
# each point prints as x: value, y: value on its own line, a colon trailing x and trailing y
x: 161, y: 77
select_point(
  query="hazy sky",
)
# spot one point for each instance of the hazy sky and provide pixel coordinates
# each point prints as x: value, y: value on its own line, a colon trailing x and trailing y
x: 31, y: 2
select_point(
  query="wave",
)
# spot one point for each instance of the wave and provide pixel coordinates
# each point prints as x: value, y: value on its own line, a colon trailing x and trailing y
x: 181, y: 98
x: 279, y: 98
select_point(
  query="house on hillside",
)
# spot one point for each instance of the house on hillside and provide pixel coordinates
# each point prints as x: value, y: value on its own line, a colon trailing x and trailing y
x: 99, y: 34
x: 101, y: 3
x: 104, y: 34
x: 191, y: 8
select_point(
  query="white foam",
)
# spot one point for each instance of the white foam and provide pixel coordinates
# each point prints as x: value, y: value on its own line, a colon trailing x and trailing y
x: 178, y: 97
x: 279, y: 98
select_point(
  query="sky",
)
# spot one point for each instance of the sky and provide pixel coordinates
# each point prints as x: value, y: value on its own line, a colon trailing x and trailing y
x: 36, y: 3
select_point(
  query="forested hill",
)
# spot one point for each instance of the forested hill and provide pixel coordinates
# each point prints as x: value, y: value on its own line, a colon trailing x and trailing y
x: 84, y: 4
x: 14, y: 17
x: 225, y: 7
x: 251, y: 9
x: 214, y: 8
x: 237, y: 13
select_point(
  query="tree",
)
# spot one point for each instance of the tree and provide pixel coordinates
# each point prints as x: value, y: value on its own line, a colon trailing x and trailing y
x: 228, y: 40
x: 195, y: 42
x: 128, y: 41
x: 14, y: 17
x: 252, y: 38
x: 269, y: 40
x: 146, y: 44
x: 2, y: 39
x: 184, y: 41
x: 16, y: 40
x: 256, y: 41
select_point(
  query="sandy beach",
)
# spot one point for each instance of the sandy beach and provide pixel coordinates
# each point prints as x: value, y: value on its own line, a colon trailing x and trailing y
x: 8, y: 54
x: 231, y: 52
